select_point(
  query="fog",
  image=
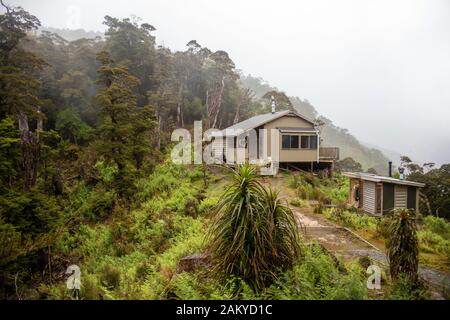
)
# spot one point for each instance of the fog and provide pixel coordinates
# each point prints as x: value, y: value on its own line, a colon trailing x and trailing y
x: 378, y: 68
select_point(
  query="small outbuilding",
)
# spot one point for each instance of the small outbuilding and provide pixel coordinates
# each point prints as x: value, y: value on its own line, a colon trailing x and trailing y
x: 378, y: 195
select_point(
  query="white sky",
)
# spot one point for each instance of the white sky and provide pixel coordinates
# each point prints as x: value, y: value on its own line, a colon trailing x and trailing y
x: 378, y: 68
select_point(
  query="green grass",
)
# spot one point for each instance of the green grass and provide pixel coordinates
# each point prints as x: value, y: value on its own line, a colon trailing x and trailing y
x: 351, y: 220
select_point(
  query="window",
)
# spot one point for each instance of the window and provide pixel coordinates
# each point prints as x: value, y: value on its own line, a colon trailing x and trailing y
x: 290, y: 142
x: 296, y: 142
x: 313, y: 142
x: 305, y: 142
x: 286, y: 142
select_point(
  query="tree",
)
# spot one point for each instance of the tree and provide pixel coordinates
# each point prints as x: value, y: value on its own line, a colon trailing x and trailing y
x: 282, y: 101
x: 70, y: 126
x: 123, y: 130
x: 252, y: 235
x: 19, y: 88
x: 244, y: 97
x: 435, y: 196
x: 117, y: 103
x: 221, y: 68
x: 348, y: 164
x: 143, y: 122
x: 132, y: 45
x: 9, y: 151
x: 411, y: 167
x: 403, y: 246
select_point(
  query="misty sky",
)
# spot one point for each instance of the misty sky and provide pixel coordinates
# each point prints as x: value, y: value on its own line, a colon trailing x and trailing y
x: 378, y: 68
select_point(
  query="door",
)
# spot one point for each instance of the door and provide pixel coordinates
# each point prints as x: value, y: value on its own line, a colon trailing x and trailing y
x: 400, y: 196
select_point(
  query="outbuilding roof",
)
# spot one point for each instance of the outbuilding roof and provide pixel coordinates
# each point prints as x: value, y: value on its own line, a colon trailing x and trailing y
x: 376, y: 178
x: 259, y: 120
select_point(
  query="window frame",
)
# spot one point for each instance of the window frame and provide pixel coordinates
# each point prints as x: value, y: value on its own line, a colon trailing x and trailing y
x: 299, y: 145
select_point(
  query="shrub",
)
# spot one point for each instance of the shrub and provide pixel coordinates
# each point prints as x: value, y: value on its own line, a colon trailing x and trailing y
x: 11, y: 243
x: 434, y: 243
x: 382, y: 228
x: 438, y: 225
x: 252, y: 234
x: 402, y: 245
x: 110, y: 277
x: 351, y: 220
x: 90, y: 289
x: 166, y: 178
x: 106, y: 172
x: 99, y: 203
x: 316, y: 277
x: 304, y: 192
x: 403, y: 289
x: 206, y: 205
x: 142, y: 271
x: 319, y: 208
x: 300, y: 203
x: 188, y: 240
x: 183, y: 200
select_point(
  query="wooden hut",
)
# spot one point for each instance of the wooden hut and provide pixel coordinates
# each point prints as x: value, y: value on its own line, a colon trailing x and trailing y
x: 378, y: 195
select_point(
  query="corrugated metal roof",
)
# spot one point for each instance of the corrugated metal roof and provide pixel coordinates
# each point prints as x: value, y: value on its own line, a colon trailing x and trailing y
x: 376, y: 178
x: 261, y: 119
x: 297, y: 130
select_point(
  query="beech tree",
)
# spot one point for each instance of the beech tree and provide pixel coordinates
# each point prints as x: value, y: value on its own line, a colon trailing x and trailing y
x: 19, y: 87
x: 122, y: 127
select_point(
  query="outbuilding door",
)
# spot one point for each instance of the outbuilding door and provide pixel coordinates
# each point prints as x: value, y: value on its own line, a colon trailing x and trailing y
x: 369, y: 197
x: 400, y: 196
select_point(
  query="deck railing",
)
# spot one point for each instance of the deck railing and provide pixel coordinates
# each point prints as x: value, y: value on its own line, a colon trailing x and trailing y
x: 329, y: 153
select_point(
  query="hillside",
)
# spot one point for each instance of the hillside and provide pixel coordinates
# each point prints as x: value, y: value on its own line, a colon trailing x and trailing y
x: 331, y: 134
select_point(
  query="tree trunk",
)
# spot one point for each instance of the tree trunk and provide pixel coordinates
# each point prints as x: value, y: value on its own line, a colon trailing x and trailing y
x: 427, y: 203
x: 25, y: 142
x: 207, y: 110
x: 238, y: 111
x: 31, y: 148
x: 179, y: 105
x: 158, y: 129
x: 158, y: 143
x: 49, y: 258
x: 219, y: 102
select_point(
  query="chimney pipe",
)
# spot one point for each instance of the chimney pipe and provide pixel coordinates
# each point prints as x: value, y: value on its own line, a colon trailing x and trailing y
x: 273, y: 104
x: 390, y: 169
